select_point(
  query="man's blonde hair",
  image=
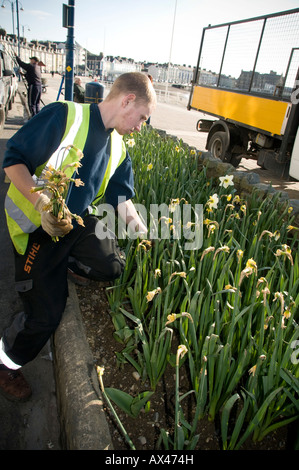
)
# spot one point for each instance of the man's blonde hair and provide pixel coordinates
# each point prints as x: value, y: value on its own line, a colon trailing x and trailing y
x: 136, y: 83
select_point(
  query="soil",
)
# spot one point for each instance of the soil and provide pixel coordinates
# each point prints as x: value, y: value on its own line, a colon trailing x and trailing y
x: 144, y: 431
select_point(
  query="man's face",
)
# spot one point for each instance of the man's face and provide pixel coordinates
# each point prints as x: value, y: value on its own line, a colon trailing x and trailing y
x: 133, y: 115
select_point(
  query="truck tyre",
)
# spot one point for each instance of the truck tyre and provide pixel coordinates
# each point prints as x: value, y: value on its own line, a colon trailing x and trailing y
x: 2, y: 117
x: 219, y: 148
x: 218, y: 144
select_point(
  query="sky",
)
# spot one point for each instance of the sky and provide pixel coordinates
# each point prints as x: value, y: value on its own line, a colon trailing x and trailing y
x: 155, y: 31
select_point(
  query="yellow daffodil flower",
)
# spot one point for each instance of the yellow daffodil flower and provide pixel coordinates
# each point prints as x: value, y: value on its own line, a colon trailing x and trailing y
x: 151, y: 294
x: 182, y: 350
x: 180, y: 274
x: 145, y: 244
x: 213, y: 201
x: 285, y: 251
x: 226, y: 181
x: 173, y: 316
x: 250, y: 268
x: 167, y: 220
x: 229, y: 287
x: 276, y: 235
x: 173, y: 204
x: 206, y: 251
x: 222, y: 248
x: 279, y: 296
x: 189, y: 225
x: 56, y: 182
x: 251, y: 264
x: 130, y: 143
x: 287, y: 313
x: 261, y: 280
x: 212, y: 228
x: 100, y: 370
x: 229, y: 206
x: 266, y: 232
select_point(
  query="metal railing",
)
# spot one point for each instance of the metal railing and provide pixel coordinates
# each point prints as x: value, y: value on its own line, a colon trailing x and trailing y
x: 258, y: 55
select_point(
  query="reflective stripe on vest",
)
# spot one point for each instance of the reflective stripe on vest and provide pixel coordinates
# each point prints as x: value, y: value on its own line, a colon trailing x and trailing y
x: 117, y: 156
x: 75, y: 134
x: 21, y: 216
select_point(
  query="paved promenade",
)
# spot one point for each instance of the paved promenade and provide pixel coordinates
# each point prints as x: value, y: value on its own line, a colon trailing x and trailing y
x: 32, y: 425
x: 65, y: 409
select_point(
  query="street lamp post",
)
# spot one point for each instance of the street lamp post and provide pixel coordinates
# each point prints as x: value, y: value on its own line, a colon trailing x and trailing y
x: 18, y: 26
x: 68, y: 20
x: 170, y: 52
x: 23, y: 29
x: 13, y: 18
x: 12, y: 14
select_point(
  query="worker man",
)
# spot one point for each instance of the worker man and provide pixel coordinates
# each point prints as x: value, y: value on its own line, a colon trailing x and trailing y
x: 41, y: 264
x: 34, y: 81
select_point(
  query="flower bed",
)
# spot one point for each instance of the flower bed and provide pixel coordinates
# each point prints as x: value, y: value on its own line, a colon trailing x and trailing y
x: 220, y: 275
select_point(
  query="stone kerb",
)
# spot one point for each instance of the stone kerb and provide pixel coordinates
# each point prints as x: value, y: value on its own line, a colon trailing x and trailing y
x: 246, y: 183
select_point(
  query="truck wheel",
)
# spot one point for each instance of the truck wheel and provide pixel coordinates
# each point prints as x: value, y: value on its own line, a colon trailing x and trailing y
x: 2, y: 118
x: 217, y: 145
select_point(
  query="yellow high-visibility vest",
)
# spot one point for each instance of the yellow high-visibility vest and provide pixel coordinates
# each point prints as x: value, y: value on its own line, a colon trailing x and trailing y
x: 22, y: 219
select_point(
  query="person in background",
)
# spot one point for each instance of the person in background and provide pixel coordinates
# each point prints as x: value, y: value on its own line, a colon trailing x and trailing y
x: 33, y: 78
x: 79, y: 91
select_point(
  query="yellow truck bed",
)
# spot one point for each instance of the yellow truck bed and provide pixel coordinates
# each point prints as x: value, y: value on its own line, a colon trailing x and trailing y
x: 256, y: 112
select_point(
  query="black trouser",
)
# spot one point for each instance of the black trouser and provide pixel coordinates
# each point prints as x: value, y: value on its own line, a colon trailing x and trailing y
x: 34, y: 97
x: 41, y: 281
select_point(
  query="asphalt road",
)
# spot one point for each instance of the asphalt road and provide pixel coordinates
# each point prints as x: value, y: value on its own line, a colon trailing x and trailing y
x: 32, y: 425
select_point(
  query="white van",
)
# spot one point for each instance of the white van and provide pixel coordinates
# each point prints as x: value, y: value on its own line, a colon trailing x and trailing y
x: 8, y: 85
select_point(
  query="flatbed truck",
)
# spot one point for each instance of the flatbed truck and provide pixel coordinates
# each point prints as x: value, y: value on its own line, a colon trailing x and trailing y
x: 246, y: 83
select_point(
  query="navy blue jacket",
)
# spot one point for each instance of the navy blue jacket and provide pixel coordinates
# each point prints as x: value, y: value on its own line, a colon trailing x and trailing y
x: 37, y: 140
x: 33, y: 72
